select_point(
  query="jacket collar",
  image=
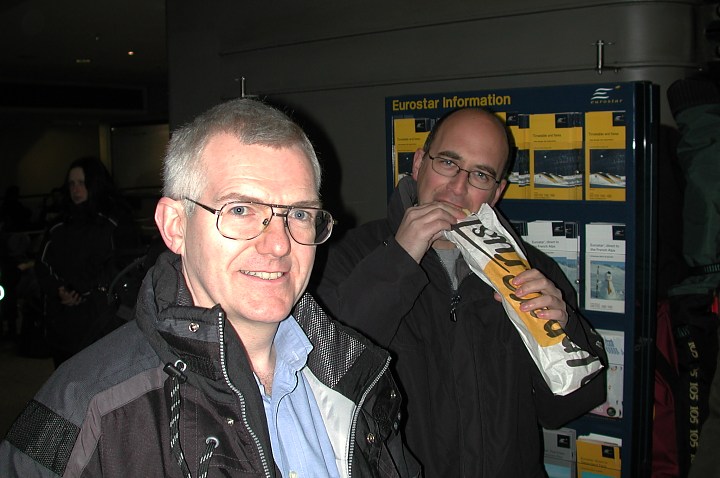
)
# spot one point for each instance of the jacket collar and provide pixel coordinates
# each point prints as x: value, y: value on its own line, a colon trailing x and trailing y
x: 177, y: 329
x: 404, y: 196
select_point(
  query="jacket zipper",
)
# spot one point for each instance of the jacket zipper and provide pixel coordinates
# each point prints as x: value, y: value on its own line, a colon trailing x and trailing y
x: 455, y: 299
x: 221, y: 335
x: 356, y: 414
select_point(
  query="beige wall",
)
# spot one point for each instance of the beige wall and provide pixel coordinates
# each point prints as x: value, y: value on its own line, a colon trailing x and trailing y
x: 35, y: 156
x: 334, y: 63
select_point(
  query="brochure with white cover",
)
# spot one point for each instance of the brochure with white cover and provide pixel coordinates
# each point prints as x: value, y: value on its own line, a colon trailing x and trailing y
x: 605, y: 267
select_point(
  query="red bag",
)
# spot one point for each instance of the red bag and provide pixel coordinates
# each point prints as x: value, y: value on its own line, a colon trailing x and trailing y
x: 665, y: 462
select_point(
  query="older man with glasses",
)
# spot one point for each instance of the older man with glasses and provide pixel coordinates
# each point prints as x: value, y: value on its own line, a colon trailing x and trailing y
x: 475, y: 399
x: 229, y: 369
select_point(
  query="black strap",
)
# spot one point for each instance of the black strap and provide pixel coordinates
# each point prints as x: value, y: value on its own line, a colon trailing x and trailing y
x: 706, y: 269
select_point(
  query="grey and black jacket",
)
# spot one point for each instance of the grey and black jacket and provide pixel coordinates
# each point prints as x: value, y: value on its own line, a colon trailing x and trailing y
x: 172, y: 394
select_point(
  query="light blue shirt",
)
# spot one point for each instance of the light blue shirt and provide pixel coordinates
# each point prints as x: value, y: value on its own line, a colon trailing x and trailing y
x: 300, y: 443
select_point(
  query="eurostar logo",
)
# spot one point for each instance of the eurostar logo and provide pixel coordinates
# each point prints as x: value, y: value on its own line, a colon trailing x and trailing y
x: 604, y: 95
x: 601, y: 94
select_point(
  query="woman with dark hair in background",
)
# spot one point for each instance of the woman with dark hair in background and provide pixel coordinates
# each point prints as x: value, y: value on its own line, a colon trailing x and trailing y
x: 79, y: 257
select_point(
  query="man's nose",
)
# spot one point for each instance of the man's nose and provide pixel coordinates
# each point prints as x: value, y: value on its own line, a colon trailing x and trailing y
x: 459, y: 181
x: 275, y: 238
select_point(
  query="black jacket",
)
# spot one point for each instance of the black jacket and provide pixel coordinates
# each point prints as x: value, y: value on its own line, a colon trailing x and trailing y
x: 112, y: 410
x: 474, y: 396
x: 79, y: 254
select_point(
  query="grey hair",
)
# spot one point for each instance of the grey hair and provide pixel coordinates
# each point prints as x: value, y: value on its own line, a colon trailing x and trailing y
x: 252, y: 122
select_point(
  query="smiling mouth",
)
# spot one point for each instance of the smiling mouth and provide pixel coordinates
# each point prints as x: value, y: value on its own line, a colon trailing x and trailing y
x: 264, y: 275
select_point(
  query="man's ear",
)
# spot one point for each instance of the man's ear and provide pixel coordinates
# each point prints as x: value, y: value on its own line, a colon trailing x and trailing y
x: 499, y: 190
x: 170, y: 219
x: 417, y: 162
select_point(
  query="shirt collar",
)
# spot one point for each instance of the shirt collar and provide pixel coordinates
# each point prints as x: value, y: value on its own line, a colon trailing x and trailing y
x: 291, y: 344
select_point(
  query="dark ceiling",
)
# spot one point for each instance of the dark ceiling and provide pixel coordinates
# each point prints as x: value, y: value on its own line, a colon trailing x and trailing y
x: 74, y: 54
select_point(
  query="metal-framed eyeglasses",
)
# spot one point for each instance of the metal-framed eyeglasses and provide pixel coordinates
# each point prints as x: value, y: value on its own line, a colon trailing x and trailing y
x: 449, y: 168
x: 245, y: 220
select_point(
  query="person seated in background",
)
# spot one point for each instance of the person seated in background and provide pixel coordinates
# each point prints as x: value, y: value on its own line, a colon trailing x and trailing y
x: 229, y: 368
x: 475, y: 398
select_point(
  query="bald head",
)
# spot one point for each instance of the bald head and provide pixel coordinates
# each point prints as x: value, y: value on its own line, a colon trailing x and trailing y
x: 475, y: 124
x: 476, y: 142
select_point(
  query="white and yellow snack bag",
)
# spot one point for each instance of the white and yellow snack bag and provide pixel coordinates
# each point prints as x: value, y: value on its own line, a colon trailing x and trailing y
x: 492, y: 253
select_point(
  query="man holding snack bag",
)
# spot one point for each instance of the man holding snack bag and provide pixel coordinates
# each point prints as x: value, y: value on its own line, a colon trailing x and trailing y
x: 488, y: 342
